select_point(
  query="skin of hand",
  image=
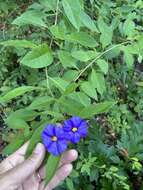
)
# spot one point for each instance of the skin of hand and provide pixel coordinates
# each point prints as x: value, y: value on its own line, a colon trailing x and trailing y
x: 16, y: 173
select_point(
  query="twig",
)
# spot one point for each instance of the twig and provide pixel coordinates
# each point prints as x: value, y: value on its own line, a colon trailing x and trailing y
x: 57, y: 9
x: 46, y: 70
x: 99, y: 56
x: 47, y: 80
x: 56, y: 19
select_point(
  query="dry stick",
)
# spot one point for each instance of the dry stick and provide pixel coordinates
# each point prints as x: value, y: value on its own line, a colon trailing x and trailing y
x: 46, y: 70
x: 99, y: 56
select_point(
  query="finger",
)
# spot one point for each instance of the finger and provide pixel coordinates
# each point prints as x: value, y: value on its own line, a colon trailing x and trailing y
x: 31, y: 183
x: 21, y: 151
x: 20, y: 173
x: 67, y: 158
x: 14, y: 159
x: 60, y: 175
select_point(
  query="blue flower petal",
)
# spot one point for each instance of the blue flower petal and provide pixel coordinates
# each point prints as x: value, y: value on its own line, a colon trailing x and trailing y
x: 75, y: 138
x: 46, y: 140
x: 82, y: 130
x: 62, y: 146
x: 68, y: 136
x: 53, y: 149
x: 59, y: 133
x: 68, y: 125
x: 49, y: 130
x: 76, y: 121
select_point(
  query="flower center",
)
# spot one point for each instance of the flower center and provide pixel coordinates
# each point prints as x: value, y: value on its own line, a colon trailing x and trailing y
x: 74, y: 129
x: 54, y: 138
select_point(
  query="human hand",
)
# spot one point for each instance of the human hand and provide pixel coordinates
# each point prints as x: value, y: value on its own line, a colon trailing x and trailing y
x: 16, y: 173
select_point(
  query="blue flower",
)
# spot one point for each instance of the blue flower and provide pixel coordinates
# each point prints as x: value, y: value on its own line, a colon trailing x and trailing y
x: 75, y: 128
x: 53, y: 138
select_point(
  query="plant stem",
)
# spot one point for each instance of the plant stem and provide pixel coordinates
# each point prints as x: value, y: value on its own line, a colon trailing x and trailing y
x: 99, y: 56
x: 46, y: 70
x: 48, y: 85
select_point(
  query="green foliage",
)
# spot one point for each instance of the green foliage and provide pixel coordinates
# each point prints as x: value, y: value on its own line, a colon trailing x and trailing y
x: 18, y: 43
x: 39, y: 57
x: 76, y: 57
x: 17, y: 92
x: 32, y: 17
x: 51, y: 167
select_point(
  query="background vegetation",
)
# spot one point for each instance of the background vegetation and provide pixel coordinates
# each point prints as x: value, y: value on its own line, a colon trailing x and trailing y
x: 76, y: 57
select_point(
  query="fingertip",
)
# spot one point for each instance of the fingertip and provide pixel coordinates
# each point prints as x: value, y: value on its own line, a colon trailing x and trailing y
x: 68, y: 157
x: 40, y: 149
x: 73, y: 154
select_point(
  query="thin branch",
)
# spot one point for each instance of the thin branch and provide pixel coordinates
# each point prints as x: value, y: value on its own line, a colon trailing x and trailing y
x: 47, y: 80
x: 57, y: 9
x: 46, y: 70
x: 99, y: 56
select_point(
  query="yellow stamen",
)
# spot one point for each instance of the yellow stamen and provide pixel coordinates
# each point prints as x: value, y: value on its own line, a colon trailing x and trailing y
x: 54, y: 138
x: 74, y: 129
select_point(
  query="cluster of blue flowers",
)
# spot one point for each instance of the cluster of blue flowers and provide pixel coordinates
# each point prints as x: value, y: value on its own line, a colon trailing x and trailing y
x: 56, y: 138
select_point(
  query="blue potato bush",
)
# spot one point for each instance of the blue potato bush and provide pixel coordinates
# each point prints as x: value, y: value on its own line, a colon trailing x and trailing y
x: 64, y: 58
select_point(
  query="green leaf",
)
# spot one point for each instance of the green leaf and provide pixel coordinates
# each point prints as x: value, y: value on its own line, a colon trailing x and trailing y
x: 60, y: 83
x: 66, y: 59
x: 88, y: 88
x: 129, y: 59
x: 72, y: 10
x: 24, y: 114
x: 17, y: 119
x: 113, y: 53
x: 13, y: 146
x: 49, y: 5
x: 36, y: 138
x: 70, y: 106
x: 106, y: 38
x: 103, y: 65
x: 70, y: 75
x: 140, y: 83
x: 84, y: 55
x: 106, y: 33
x: 16, y: 123
x: 129, y: 28
x: 19, y: 43
x: 38, y: 58
x: 95, y: 109
x: 69, y: 184
x: 30, y: 17
x: 88, y: 22
x: 51, y: 167
x: 128, y: 56
x: 82, y: 38
x: 58, y: 31
x: 102, y: 25
x: 57, y: 116
x: 98, y: 81
x: 41, y: 102
x: 70, y: 88
x: 81, y: 98
x: 17, y: 92
x: 140, y: 42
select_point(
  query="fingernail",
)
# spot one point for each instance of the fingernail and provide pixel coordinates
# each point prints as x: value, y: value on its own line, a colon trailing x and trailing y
x: 38, y: 148
x: 74, y: 154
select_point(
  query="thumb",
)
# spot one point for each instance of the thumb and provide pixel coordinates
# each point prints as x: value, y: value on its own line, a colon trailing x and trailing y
x: 21, y: 172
